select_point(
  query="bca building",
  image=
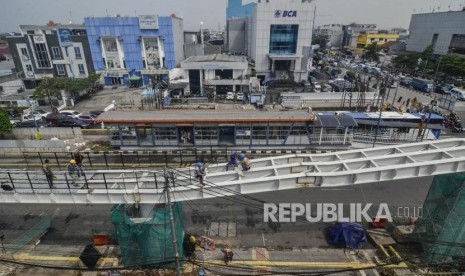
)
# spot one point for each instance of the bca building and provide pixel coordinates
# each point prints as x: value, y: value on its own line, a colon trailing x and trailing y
x: 277, y: 36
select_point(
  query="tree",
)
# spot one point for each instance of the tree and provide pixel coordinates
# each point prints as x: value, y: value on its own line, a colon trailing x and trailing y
x: 372, y: 52
x: 319, y: 39
x: 5, y: 124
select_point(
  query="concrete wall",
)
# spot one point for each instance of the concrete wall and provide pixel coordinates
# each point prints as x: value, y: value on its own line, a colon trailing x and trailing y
x: 19, y: 146
x: 424, y: 26
x: 49, y: 133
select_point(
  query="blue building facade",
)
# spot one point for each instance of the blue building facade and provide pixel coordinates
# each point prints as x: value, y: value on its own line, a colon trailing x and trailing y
x: 235, y: 9
x: 134, y: 51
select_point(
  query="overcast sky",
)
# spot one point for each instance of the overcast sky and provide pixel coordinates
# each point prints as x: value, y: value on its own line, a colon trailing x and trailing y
x: 386, y: 14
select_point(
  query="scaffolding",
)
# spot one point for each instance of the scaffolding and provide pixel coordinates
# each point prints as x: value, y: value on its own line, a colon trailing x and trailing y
x: 441, y: 229
x: 147, y: 241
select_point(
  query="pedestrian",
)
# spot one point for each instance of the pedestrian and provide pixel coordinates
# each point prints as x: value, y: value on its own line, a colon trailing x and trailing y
x: 72, y: 171
x: 77, y: 156
x: 48, y: 173
x: 245, y: 162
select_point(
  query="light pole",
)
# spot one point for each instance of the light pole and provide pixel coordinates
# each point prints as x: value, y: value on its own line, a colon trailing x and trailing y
x: 432, y: 104
x: 439, y: 64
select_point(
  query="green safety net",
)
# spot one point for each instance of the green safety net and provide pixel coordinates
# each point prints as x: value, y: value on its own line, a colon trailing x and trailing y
x: 148, y: 241
x: 441, y: 229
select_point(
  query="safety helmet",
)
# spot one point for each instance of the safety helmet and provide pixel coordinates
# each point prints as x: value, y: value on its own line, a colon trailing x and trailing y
x: 242, y: 155
x: 72, y: 161
x: 198, y: 164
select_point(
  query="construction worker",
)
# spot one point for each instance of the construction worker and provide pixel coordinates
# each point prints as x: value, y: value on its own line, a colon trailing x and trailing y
x: 73, y: 171
x: 77, y: 156
x: 233, y: 159
x: 48, y: 173
x: 245, y: 162
x: 228, y: 254
x: 200, y: 172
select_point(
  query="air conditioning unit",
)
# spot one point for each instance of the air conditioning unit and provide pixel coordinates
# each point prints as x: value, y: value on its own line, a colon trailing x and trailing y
x: 30, y: 74
x: 24, y: 57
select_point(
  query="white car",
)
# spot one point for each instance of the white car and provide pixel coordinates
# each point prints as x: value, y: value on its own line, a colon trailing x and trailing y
x: 71, y: 113
x: 230, y: 96
x: 240, y: 96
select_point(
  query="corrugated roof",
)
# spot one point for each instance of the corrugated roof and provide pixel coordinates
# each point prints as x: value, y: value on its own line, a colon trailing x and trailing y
x: 203, y: 116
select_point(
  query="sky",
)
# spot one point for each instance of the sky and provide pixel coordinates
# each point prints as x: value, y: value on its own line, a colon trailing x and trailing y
x: 385, y: 13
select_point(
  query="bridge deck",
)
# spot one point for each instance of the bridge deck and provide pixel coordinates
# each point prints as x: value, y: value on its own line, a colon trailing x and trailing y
x: 389, y: 163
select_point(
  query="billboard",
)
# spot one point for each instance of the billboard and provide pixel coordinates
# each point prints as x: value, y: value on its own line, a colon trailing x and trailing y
x: 65, y: 37
x: 148, y: 22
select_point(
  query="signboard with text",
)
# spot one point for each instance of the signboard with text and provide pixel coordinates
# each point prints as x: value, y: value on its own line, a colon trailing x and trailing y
x: 65, y: 37
x: 148, y: 22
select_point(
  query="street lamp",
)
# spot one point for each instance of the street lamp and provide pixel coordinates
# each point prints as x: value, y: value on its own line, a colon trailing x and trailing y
x: 433, y: 103
x: 439, y: 64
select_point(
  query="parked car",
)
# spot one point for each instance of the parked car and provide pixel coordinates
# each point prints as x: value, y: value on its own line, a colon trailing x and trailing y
x: 176, y: 94
x: 458, y: 93
x: 87, y: 119
x: 230, y: 96
x: 239, y: 96
x: 54, y: 118
x: 30, y: 123
x: 95, y: 113
x: 72, y: 122
x: 443, y: 89
x: 71, y: 113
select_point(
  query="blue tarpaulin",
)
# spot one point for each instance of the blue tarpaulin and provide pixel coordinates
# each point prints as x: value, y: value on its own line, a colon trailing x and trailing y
x: 347, y: 234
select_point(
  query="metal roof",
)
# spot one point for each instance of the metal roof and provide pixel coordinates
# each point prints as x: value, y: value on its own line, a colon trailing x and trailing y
x: 203, y: 116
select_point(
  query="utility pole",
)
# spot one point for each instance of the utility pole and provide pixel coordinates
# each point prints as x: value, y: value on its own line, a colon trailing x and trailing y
x: 173, y: 233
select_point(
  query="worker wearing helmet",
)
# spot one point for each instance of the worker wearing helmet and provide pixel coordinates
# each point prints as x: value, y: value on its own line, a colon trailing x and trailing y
x: 200, y: 172
x: 233, y: 159
x: 72, y: 170
x: 245, y: 162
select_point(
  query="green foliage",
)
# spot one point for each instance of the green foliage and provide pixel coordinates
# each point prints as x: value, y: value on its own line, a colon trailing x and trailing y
x: 5, y: 124
x: 372, y: 52
x: 453, y: 65
x: 321, y: 40
x: 407, y: 60
x: 51, y: 87
x: 351, y: 75
x: 427, y: 54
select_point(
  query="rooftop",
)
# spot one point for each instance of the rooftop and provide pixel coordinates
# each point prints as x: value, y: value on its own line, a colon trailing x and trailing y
x: 215, y: 57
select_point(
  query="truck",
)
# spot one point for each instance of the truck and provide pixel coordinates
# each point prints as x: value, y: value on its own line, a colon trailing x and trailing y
x: 422, y: 85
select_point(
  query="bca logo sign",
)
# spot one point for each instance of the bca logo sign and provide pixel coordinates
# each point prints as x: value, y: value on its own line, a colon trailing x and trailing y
x: 277, y: 13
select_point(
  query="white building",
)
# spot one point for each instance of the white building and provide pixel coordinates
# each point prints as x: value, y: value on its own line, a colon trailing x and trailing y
x: 444, y: 30
x: 216, y: 73
x: 278, y: 37
x: 333, y: 32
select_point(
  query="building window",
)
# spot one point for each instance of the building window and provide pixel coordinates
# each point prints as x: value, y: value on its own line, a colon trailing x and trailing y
x: 110, y: 45
x: 61, y: 71
x: 41, y: 54
x: 110, y: 64
x: 283, y: 39
x: 28, y: 68
x: 77, y: 53
x: 434, y: 40
x: 457, y: 44
x: 56, y: 53
x: 24, y: 52
x: 81, y: 69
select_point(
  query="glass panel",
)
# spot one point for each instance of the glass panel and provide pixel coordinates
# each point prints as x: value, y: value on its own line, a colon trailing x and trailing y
x: 243, y: 134
x: 259, y: 134
x: 283, y: 39
x: 206, y: 135
x: 166, y: 136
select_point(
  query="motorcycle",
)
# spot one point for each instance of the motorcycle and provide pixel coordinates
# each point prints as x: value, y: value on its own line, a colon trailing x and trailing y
x: 457, y: 127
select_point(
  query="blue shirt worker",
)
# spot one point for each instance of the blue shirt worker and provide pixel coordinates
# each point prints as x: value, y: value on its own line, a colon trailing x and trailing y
x: 246, y: 163
x: 200, y: 172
